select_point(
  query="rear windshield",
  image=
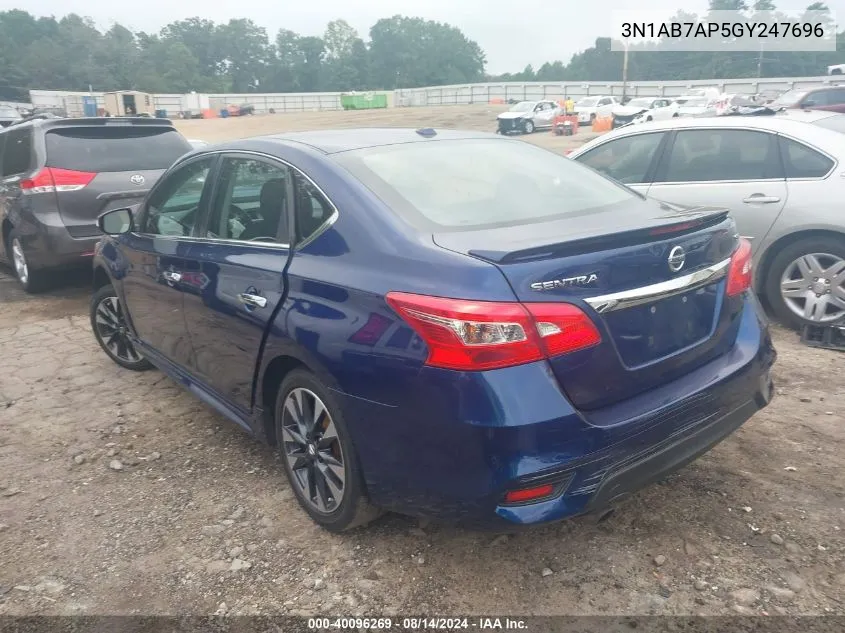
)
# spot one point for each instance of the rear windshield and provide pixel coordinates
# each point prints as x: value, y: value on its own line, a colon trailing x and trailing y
x: 104, y: 149
x: 790, y: 97
x: 480, y: 183
x: 835, y: 123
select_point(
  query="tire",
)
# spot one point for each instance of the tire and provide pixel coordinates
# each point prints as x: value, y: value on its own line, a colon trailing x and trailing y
x: 109, y: 326
x: 836, y: 71
x: 304, y: 444
x: 828, y: 250
x: 648, y: 118
x: 31, y: 281
x: 528, y: 126
x: 675, y: 116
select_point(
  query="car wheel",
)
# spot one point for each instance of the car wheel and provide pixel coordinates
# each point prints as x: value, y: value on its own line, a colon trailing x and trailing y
x: 29, y: 279
x: 528, y: 126
x: 318, y: 454
x: 675, y: 116
x: 108, y: 321
x: 806, y: 282
x: 648, y: 118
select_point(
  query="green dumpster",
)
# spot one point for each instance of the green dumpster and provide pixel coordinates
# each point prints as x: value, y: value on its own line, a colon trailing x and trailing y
x: 363, y: 101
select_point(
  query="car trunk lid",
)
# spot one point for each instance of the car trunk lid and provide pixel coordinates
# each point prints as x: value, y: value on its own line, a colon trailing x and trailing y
x: 660, y: 314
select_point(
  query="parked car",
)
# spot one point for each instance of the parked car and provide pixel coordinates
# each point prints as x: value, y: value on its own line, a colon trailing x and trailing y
x: 828, y: 98
x: 447, y: 324
x: 695, y: 106
x: 779, y: 177
x: 527, y: 116
x: 57, y: 175
x: 643, y: 109
x: 588, y: 108
x: 836, y: 69
x: 9, y: 115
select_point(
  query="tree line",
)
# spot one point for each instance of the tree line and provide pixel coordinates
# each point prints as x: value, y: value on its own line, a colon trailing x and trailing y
x: 239, y: 56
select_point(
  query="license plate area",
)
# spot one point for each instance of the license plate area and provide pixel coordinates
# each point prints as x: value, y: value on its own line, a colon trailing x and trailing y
x: 650, y: 332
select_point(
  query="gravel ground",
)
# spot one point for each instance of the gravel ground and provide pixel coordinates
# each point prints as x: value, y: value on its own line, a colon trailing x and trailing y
x: 120, y: 493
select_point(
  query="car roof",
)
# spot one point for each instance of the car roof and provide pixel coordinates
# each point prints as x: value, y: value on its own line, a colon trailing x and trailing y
x: 343, y: 140
x: 789, y: 122
x: 43, y: 122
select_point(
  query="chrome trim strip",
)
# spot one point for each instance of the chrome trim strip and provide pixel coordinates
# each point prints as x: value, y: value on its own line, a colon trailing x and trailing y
x: 662, y: 290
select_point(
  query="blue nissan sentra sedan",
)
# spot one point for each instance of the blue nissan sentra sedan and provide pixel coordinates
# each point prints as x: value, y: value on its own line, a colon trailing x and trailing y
x: 445, y: 324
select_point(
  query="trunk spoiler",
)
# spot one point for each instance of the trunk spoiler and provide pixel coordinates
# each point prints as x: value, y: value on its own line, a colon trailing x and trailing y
x: 700, y: 219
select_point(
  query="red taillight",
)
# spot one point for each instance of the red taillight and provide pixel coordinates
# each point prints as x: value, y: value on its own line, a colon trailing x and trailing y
x: 53, y: 179
x: 477, y: 335
x: 529, y: 494
x: 739, y: 273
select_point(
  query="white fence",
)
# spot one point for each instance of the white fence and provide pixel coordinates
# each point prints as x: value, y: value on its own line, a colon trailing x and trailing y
x: 465, y: 94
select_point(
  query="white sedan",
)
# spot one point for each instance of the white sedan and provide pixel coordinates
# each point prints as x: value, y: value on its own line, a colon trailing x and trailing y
x: 644, y: 109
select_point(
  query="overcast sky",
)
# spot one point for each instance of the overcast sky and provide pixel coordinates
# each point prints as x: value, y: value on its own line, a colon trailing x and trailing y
x: 513, y: 33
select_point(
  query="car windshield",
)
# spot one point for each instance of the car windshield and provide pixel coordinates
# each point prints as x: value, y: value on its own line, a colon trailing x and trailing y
x: 587, y: 102
x: 525, y: 106
x: 835, y: 123
x: 480, y: 183
x: 790, y: 97
x: 640, y: 103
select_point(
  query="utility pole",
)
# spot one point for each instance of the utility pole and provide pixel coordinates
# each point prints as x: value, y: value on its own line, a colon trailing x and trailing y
x: 625, y: 71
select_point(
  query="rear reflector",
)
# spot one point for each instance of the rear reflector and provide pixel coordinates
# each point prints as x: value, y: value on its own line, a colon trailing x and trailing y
x: 53, y: 179
x: 740, y: 273
x: 477, y: 335
x: 529, y: 494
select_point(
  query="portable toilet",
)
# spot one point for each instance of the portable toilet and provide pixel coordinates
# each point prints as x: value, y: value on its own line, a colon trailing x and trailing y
x: 89, y: 106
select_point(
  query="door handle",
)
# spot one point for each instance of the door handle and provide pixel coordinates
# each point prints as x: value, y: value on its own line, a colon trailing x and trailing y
x: 253, y: 301
x: 171, y: 276
x: 759, y: 198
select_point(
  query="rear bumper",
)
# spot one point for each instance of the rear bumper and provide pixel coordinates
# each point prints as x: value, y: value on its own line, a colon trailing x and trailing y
x: 460, y: 441
x: 49, y: 246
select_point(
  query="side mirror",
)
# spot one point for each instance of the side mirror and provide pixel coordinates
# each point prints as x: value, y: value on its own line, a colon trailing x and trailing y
x: 115, y: 222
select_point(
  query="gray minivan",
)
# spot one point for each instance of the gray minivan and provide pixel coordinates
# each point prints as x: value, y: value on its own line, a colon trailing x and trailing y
x: 57, y: 175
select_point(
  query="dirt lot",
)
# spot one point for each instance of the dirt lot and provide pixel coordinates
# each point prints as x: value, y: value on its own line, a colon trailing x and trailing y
x: 120, y: 493
x: 475, y: 117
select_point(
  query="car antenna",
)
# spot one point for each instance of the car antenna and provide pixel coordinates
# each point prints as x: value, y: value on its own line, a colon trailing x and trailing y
x: 427, y: 132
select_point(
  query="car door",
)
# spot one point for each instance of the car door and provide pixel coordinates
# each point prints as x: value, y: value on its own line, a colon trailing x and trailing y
x: 153, y: 255
x: 234, y: 275
x: 831, y: 100
x: 629, y: 159
x: 661, y: 110
x: 605, y: 106
x: 735, y: 168
x: 546, y: 114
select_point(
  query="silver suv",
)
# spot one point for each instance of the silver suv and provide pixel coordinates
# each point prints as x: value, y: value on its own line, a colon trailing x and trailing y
x: 780, y: 175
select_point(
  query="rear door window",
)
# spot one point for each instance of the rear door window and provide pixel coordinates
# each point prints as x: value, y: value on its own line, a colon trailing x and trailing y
x: 722, y: 155
x: 17, y: 152
x: 113, y: 149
